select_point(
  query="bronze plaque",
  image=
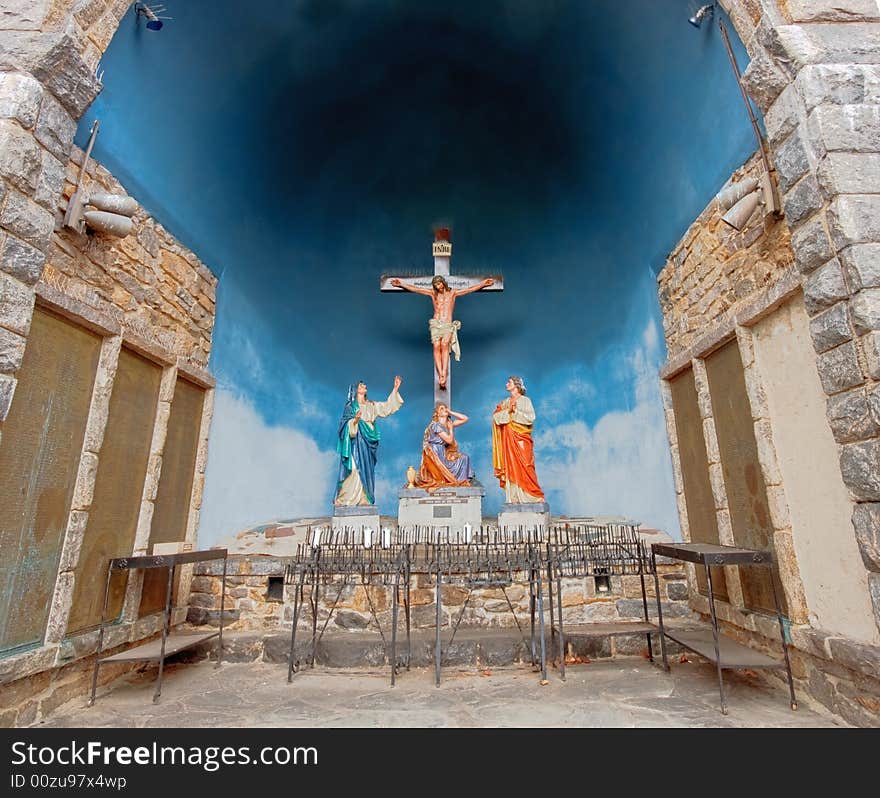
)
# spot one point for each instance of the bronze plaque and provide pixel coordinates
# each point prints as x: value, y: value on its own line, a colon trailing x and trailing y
x: 175, y: 484
x: 700, y: 503
x: 119, y: 486
x: 39, y: 457
x: 743, y: 478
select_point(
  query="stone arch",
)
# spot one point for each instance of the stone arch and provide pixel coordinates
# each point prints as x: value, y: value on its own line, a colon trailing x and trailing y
x: 814, y: 73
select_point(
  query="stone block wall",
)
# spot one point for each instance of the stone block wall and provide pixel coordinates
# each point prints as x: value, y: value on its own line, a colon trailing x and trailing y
x: 61, y: 42
x: 49, y: 53
x: 145, y: 292
x: 839, y: 674
x: 815, y: 75
x: 717, y: 286
x: 714, y: 271
x: 247, y: 607
x: 32, y: 698
x: 148, y: 283
x: 154, y: 296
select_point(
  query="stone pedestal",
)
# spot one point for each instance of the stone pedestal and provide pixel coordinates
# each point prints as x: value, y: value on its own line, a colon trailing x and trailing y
x: 443, y: 507
x: 524, y: 516
x: 356, y: 518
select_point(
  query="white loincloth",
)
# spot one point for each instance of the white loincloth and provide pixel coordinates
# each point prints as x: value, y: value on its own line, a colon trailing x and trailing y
x: 440, y: 329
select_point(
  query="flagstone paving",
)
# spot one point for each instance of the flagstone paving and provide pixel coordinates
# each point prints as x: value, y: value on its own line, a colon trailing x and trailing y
x: 628, y: 693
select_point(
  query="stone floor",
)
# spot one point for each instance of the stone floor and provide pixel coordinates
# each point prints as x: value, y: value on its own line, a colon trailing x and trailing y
x: 621, y: 693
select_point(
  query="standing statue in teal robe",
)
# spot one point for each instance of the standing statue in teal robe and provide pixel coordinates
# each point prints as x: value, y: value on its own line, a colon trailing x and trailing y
x: 358, y: 444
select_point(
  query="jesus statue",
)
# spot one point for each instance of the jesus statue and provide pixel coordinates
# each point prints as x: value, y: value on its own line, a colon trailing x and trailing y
x: 444, y: 331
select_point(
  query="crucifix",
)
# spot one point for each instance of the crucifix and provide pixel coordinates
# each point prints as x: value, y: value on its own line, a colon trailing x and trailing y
x: 443, y: 288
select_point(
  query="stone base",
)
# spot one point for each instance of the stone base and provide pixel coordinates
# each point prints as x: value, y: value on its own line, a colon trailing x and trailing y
x: 356, y: 518
x: 524, y: 516
x: 444, y: 507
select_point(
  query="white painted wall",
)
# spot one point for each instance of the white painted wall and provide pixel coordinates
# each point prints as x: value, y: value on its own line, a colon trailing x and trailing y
x: 834, y: 577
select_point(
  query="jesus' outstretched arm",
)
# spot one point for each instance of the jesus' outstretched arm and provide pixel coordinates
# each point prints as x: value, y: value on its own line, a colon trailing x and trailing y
x: 414, y: 288
x: 478, y: 287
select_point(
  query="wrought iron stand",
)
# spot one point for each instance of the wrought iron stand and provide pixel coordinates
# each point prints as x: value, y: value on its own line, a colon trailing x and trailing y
x: 336, y: 564
x: 594, y: 550
x: 725, y: 653
x: 478, y: 559
x: 489, y: 560
x: 170, y: 642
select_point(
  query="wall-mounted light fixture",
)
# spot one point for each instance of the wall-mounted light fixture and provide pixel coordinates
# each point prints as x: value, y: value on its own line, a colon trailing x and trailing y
x: 101, y: 211
x: 151, y: 14
x: 702, y: 13
x: 740, y: 200
x: 110, y: 213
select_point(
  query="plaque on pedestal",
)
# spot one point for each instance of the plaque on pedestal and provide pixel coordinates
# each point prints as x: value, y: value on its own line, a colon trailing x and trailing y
x: 526, y: 517
x: 356, y: 518
x: 451, y: 507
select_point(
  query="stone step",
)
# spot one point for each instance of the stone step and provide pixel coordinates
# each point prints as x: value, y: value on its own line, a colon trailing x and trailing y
x: 473, y: 647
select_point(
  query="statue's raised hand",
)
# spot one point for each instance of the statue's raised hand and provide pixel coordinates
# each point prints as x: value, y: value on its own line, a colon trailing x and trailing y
x: 397, y: 382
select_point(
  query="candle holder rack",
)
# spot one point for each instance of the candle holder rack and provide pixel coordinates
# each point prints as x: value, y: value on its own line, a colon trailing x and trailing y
x: 600, y: 551
x: 472, y: 558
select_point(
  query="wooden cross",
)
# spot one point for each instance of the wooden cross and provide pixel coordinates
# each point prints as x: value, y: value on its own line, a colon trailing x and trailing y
x: 442, y: 251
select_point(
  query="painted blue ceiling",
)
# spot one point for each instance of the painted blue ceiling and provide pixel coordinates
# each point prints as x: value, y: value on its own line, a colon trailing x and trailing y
x: 301, y: 149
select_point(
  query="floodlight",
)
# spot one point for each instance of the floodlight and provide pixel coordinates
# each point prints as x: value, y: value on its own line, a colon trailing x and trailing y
x: 151, y: 14
x: 703, y: 12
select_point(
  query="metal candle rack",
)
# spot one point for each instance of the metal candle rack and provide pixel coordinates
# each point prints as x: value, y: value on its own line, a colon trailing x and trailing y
x: 597, y: 550
x: 491, y: 562
x: 339, y: 561
x: 470, y: 557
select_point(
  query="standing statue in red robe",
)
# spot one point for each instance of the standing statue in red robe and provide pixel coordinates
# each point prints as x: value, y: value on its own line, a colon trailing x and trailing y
x: 513, y: 454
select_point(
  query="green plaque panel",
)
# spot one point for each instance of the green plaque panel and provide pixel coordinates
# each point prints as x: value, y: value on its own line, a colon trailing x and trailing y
x: 175, y: 484
x: 702, y: 520
x: 39, y: 458
x: 743, y: 478
x: 119, y: 486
